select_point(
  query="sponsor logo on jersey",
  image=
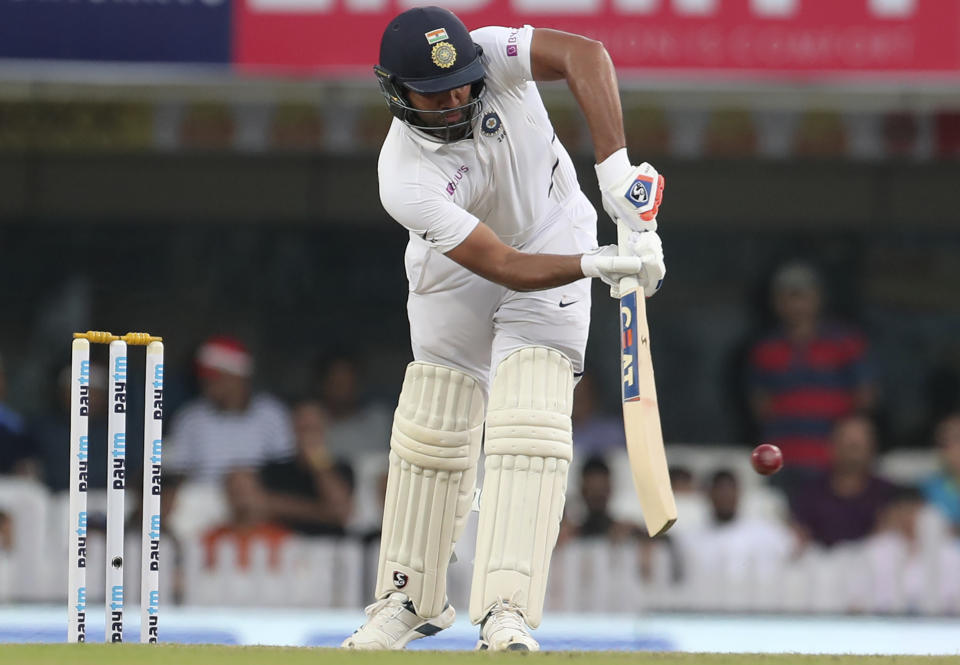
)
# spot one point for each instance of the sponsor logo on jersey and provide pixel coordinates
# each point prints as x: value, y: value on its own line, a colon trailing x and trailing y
x: 455, y: 181
x: 444, y: 55
x: 434, y: 36
x: 512, y: 43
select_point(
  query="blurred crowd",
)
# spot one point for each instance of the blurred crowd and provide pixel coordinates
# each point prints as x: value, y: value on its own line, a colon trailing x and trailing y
x: 289, y: 469
x: 845, y: 502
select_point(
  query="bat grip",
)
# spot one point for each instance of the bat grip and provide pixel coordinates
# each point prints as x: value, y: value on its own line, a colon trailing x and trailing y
x: 623, y: 242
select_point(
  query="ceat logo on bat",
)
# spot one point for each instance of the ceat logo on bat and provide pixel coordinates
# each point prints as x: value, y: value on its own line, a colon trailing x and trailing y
x: 628, y: 347
x: 640, y: 191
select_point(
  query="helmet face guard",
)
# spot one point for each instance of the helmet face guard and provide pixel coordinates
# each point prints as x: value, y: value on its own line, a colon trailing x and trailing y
x: 433, y: 125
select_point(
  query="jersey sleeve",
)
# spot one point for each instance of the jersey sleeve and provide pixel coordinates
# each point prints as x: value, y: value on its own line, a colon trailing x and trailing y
x: 506, y: 54
x: 419, y: 202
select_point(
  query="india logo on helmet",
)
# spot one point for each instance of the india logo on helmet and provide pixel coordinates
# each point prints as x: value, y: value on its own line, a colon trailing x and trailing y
x: 443, y: 55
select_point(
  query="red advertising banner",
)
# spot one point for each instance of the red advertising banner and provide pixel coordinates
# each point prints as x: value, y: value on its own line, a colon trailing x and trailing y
x: 782, y: 38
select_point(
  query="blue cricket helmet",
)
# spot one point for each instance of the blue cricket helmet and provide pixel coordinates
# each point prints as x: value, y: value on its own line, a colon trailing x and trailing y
x: 429, y: 50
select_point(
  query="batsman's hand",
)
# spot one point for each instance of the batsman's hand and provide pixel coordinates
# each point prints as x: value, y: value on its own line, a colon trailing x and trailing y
x: 631, y: 194
x: 643, y: 260
x: 648, y: 247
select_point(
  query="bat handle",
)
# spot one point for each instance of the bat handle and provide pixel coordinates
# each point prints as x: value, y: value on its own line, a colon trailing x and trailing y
x: 623, y: 242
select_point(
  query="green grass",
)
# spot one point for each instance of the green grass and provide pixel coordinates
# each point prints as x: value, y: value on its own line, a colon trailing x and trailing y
x: 170, y: 654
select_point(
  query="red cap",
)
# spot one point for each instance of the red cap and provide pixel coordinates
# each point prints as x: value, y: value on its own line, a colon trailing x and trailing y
x: 221, y: 353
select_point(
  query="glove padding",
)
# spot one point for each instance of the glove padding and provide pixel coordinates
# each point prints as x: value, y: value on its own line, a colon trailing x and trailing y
x: 631, y: 194
x: 643, y: 260
x: 648, y: 248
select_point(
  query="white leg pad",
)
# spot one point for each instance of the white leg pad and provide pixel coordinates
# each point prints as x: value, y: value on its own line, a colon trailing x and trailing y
x: 528, y: 449
x: 434, y: 447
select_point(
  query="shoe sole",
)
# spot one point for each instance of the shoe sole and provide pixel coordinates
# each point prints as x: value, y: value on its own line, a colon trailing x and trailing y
x: 516, y: 646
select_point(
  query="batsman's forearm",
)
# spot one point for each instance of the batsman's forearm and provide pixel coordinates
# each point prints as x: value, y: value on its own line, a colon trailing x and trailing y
x: 592, y: 79
x: 533, y: 272
x: 483, y: 253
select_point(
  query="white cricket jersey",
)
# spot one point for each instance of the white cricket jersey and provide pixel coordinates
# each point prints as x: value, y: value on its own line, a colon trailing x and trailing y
x: 512, y: 174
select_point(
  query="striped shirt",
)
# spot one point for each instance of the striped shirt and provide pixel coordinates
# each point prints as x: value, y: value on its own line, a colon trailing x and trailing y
x: 205, y: 443
x: 809, y: 386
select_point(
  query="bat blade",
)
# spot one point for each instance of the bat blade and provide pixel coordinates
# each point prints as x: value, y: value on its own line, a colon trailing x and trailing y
x: 641, y: 414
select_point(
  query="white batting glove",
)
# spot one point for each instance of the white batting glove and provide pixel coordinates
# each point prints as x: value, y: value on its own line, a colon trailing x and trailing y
x: 631, y: 194
x: 606, y: 264
x: 648, y: 248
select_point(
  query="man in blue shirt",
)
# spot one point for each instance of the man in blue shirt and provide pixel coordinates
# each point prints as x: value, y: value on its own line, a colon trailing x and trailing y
x: 943, y: 488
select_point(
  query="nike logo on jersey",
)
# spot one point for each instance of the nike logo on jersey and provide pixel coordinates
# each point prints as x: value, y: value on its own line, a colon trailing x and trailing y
x: 567, y: 303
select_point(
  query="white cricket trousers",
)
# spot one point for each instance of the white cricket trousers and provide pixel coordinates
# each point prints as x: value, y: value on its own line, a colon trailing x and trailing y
x: 461, y: 320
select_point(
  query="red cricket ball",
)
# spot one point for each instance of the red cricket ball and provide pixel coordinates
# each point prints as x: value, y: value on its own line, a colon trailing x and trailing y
x: 766, y: 459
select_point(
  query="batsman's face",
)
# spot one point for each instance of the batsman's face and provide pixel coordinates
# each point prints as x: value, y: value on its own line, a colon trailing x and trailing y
x: 440, y: 101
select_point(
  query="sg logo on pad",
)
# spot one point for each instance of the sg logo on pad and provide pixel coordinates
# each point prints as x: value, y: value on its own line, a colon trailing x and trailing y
x: 399, y: 579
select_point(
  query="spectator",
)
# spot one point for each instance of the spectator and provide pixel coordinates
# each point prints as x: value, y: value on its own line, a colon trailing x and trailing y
x: 354, y: 428
x: 594, y: 433
x: 806, y: 374
x: 900, y: 515
x: 248, y: 524
x: 51, y: 432
x: 942, y: 490
x: 17, y: 453
x: 312, y: 493
x: 844, y: 502
x: 724, y: 493
x: 730, y: 540
x: 895, y: 575
x: 747, y: 532
x: 228, y: 426
x: 596, y: 489
x: 681, y: 480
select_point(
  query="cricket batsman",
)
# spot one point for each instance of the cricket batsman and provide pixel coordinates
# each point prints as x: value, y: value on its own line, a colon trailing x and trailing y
x: 502, y: 243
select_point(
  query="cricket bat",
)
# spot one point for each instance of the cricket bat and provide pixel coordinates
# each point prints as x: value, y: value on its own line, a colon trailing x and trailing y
x: 641, y: 415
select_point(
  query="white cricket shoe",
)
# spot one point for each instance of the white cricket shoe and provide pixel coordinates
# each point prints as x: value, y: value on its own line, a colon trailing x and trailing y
x: 392, y: 623
x: 505, y: 630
